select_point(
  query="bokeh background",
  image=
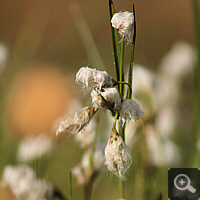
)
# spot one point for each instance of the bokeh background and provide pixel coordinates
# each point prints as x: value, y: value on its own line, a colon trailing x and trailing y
x: 45, y: 42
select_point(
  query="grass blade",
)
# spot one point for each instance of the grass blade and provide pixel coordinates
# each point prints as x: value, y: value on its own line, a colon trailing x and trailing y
x: 121, y: 69
x: 197, y: 74
x: 115, y: 40
x: 129, y: 93
x: 70, y: 185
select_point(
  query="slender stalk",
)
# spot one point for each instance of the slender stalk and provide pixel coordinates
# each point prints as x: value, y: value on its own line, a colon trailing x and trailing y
x: 121, y: 91
x: 115, y: 120
x: 115, y: 41
x: 96, y: 133
x: 85, y: 35
x: 70, y: 185
x: 121, y: 69
x: 107, y: 104
x: 118, y: 49
x: 94, y: 145
x: 89, y: 185
x: 123, y: 131
x: 197, y: 74
x: 129, y: 86
x: 129, y: 93
x: 122, y: 189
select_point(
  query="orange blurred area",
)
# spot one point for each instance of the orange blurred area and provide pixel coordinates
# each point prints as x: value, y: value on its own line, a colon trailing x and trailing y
x: 6, y: 194
x: 38, y: 96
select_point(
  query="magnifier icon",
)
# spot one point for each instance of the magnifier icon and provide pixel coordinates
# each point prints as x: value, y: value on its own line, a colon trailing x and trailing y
x: 182, y: 182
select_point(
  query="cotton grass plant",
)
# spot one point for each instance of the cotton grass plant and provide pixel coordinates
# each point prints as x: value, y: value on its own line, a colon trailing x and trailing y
x: 118, y: 101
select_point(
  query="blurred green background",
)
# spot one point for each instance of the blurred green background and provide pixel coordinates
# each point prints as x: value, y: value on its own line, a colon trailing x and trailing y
x: 48, y: 41
x: 45, y: 30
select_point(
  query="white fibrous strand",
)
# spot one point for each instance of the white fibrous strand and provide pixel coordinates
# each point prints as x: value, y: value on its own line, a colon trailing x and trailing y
x: 111, y: 95
x: 22, y: 181
x: 118, y: 156
x: 123, y: 22
x: 94, y: 79
x: 77, y: 122
x: 131, y: 110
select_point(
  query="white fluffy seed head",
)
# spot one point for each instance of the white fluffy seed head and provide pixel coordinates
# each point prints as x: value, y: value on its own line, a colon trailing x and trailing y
x: 32, y: 148
x: 123, y: 21
x: 111, y: 95
x: 131, y: 110
x: 118, y: 156
x: 76, y: 123
x: 22, y: 181
x: 94, y: 79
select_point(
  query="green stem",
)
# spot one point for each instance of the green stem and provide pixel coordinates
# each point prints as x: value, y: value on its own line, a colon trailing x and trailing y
x: 89, y: 185
x: 121, y: 91
x: 115, y: 120
x: 107, y: 104
x: 123, y: 131
x: 129, y: 94
x: 129, y: 86
x: 70, y: 185
x: 197, y: 40
x: 122, y: 189
x: 96, y: 133
x: 121, y: 69
x: 115, y: 41
x: 94, y: 145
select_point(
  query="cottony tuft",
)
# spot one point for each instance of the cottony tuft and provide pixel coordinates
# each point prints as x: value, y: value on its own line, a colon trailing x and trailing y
x: 75, y: 124
x: 94, y: 79
x: 111, y: 95
x: 123, y: 22
x: 131, y: 110
x: 118, y: 156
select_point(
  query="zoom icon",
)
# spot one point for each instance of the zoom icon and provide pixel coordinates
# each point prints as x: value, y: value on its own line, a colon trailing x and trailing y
x: 184, y: 184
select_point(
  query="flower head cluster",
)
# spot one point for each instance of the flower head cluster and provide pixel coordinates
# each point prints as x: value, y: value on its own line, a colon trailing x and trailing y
x: 94, y: 79
x: 100, y: 82
x: 118, y: 157
x: 131, y: 110
x: 111, y: 95
x: 23, y: 183
x: 123, y: 22
x: 76, y: 123
x: 117, y: 153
